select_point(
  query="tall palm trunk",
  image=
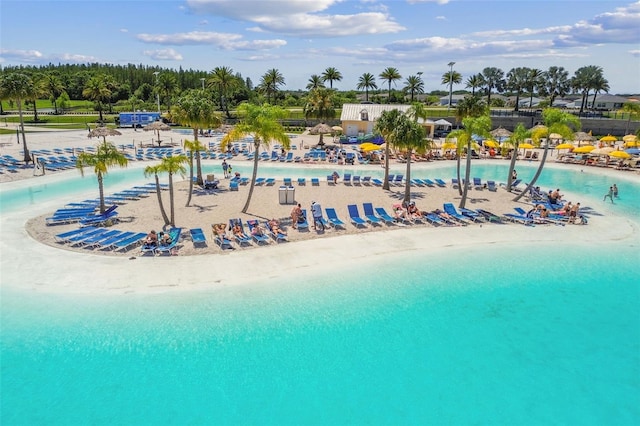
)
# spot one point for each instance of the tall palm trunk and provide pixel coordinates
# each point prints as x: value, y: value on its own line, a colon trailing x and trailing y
x: 190, y: 178
x: 254, y: 175
x: 199, y: 165
x: 535, y: 177
x: 512, y: 165
x: 385, y: 184
x: 466, y: 178
x: 172, y: 207
x: 162, y: 211
x: 458, y: 171
x: 101, y: 192
x: 27, y: 157
x: 407, y: 184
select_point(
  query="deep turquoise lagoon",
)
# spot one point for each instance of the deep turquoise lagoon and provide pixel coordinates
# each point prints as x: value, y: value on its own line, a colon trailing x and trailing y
x: 507, y: 334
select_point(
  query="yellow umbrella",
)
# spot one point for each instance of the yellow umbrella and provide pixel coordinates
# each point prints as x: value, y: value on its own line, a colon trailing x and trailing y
x: 526, y: 146
x: 631, y: 144
x: 565, y: 146
x: 620, y: 154
x: 446, y: 146
x: 584, y: 149
x: 371, y: 147
x: 629, y: 138
x: 608, y: 138
x: 491, y: 144
x: 557, y: 136
x: 366, y: 145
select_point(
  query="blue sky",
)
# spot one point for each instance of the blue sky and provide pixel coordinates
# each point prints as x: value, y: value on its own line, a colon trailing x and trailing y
x: 304, y: 37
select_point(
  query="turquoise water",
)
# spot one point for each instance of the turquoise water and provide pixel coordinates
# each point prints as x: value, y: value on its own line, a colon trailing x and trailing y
x: 533, y: 334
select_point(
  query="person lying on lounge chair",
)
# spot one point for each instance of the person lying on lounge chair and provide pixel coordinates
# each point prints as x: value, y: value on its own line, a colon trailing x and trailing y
x: 220, y: 229
x: 165, y: 239
x: 446, y: 217
x: 237, y: 230
x: 413, y: 211
x: 274, y: 224
x: 151, y: 240
x: 257, y: 230
x: 399, y: 212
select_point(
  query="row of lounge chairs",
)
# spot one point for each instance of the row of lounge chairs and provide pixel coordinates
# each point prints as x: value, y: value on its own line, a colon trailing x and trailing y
x: 100, y: 238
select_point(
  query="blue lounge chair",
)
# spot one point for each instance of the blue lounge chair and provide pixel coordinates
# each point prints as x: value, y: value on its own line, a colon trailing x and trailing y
x: 346, y: 178
x: 259, y: 181
x: 287, y: 181
x: 434, y: 219
x: 471, y: 214
x: 270, y: 182
x: 99, y: 219
x: 376, y: 182
x: 315, y: 182
x: 330, y: 180
x: 366, y: 180
x: 233, y: 185
x: 277, y: 236
x: 477, y: 183
x: 221, y: 239
x: 333, y: 218
x: 78, y: 238
x: 382, y: 214
x: 242, y: 238
x: 523, y: 220
x: 127, y: 243
x: 302, y: 181
x: 428, y: 182
x: 289, y: 157
x: 354, y: 216
x: 416, y: 182
x: 303, y: 223
x: 258, y: 238
x: 370, y: 215
x: 450, y: 209
x: 95, y: 239
x: 355, y: 180
x: 110, y: 242
x: 491, y: 186
x: 440, y: 183
x: 455, y: 183
x: 491, y: 217
x: 397, y: 180
x: 170, y: 248
x: 197, y: 237
x: 64, y: 237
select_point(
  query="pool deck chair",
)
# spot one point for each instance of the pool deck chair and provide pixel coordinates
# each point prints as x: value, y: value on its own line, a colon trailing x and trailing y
x: 455, y: 183
x: 346, y: 179
x: 221, y: 240
x: 333, y: 218
x: 61, y: 238
x: 242, y: 239
x: 376, y: 182
x: 259, y: 181
x: 366, y: 180
x: 126, y: 244
x: 277, y: 236
x: 434, y: 219
x: 397, y: 180
x: 270, y: 181
x: 355, y: 180
x: 260, y: 239
x: 471, y: 214
x: 450, y: 209
x: 477, y: 183
x: 197, y: 237
x: 440, y: 183
x: 386, y: 217
x: 302, y: 181
x: 315, y: 182
x: 286, y: 181
x: 517, y: 218
x: 172, y: 247
x: 354, y: 216
x: 370, y: 214
x: 303, y: 223
x: 491, y: 186
x: 490, y: 217
x: 428, y: 182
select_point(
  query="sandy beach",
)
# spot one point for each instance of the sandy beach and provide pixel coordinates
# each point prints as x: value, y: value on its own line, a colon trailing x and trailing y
x: 304, y: 253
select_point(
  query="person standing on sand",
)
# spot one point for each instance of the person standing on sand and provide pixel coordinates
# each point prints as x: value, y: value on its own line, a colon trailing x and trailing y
x: 316, y: 211
x: 609, y: 194
x: 225, y: 168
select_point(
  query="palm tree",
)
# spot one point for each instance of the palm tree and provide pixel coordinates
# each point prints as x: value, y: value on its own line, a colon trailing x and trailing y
x: 534, y: 80
x: 270, y: 82
x: 493, y: 78
x: 451, y: 78
x: 53, y: 87
x: 315, y: 82
x: 105, y: 156
x: 556, y: 121
x: 155, y: 170
x: 263, y: 124
x: 410, y: 135
x: 366, y: 81
x: 390, y: 75
x: 191, y: 147
x: 413, y: 84
x: 580, y: 82
x: 320, y: 105
x: 474, y: 82
x: 97, y: 89
x: 167, y: 87
x: 173, y: 165
x: 39, y: 91
x: 223, y: 79
x: 471, y: 126
x: 331, y: 74
x: 385, y: 126
x: 18, y: 87
x: 517, y: 81
x: 556, y: 83
x: 195, y: 110
x: 633, y: 108
x: 517, y: 137
x: 599, y: 84
x: 470, y: 106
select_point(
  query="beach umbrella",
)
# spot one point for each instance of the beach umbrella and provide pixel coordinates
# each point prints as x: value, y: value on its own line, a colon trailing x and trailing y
x: 538, y: 127
x: 156, y: 126
x: 584, y: 149
x: 556, y: 136
x: 629, y: 138
x: 526, y: 146
x: 631, y: 144
x: 565, y: 146
x: 336, y: 129
x: 103, y: 132
x: 632, y: 151
x: 619, y: 154
x: 500, y: 133
x: 608, y: 138
x: 491, y: 144
x: 320, y: 129
x: 446, y: 146
x: 601, y: 151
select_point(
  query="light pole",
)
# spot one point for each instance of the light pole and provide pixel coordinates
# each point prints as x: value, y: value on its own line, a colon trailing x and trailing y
x: 157, y: 90
x: 202, y: 81
x: 450, y: 64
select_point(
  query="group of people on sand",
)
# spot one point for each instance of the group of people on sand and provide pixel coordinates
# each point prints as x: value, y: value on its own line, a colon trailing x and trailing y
x: 297, y: 216
x: 152, y: 239
x: 613, y: 193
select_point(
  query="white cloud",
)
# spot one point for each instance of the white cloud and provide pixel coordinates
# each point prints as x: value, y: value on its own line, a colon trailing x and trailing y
x: 226, y: 41
x: 635, y: 53
x: 441, y: 18
x: 428, y: 1
x: 22, y: 55
x: 124, y: 30
x: 299, y: 17
x: 70, y: 57
x: 163, y: 55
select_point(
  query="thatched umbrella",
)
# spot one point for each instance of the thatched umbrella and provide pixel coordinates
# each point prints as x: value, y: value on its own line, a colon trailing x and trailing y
x: 500, y: 133
x: 157, y: 126
x: 103, y: 132
x: 320, y: 129
x: 582, y: 137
